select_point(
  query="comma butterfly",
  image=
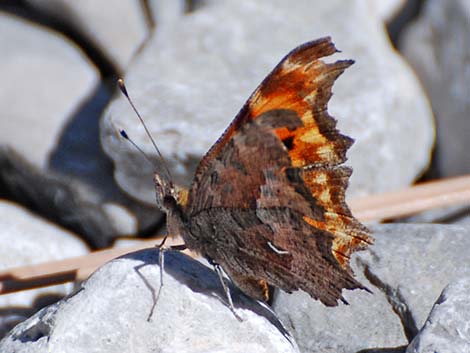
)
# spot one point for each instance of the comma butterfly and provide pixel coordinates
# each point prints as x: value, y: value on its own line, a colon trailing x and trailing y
x: 267, y: 202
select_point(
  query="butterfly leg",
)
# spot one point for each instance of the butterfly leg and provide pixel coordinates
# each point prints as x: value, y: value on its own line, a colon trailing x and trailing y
x: 161, y: 262
x: 226, y: 288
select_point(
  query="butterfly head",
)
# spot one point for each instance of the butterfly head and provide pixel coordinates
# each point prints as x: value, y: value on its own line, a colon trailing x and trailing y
x: 168, y: 195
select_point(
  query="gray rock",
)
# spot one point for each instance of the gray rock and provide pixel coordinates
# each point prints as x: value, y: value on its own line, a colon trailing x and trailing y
x: 109, y: 314
x: 193, y: 77
x: 406, y: 270
x: 367, y: 322
x: 25, y: 240
x: 447, y: 328
x: 412, y: 264
x: 64, y: 200
x: 43, y: 89
x: 438, y: 48
x: 167, y: 12
x: 50, y: 158
x: 118, y: 28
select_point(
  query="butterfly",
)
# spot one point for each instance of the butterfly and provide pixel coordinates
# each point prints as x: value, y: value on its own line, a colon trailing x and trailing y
x: 267, y: 202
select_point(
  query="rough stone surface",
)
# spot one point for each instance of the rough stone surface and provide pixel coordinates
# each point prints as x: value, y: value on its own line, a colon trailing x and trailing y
x: 447, y: 328
x: 43, y: 90
x: 118, y: 28
x: 109, y: 314
x: 50, y: 157
x: 167, y: 12
x: 25, y: 240
x: 61, y: 199
x: 368, y: 321
x: 193, y: 77
x: 413, y: 263
x: 406, y: 270
x: 437, y: 46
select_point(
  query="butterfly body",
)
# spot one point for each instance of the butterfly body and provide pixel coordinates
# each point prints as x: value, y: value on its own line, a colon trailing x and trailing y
x: 267, y: 200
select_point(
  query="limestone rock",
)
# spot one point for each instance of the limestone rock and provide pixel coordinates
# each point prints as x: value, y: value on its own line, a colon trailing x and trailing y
x: 447, y: 328
x: 437, y: 47
x: 413, y: 263
x: 367, y: 322
x: 109, y: 314
x: 193, y: 77
x: 118, y: 28
x: 50, y: 157
x: 43, y: 89
x: 25, y: 240
x: 406, y: 270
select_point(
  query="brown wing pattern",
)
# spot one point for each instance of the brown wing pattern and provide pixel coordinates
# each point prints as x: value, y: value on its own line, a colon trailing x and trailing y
x: 302, y: 83
x: 269, y: 195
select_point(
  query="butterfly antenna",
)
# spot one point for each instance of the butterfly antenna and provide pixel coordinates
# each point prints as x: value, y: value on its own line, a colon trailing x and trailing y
x: 123, y: 133
x: 123, y: 89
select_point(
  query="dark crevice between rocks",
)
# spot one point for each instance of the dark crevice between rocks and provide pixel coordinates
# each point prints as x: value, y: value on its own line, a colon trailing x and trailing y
x: 194, y: 5
x: 34, y: 333
x: 52, y: 197
x: 398, y: 303
x: 35, y: 14
x: 410, y: 10
x: 39, y: 327
x: 79, y: 155
x: 148, y: 14
x: 78, y: 163
x: 79, y: 181
x: 13, y: 315
x: 459, y: 214
x: 78, y: 152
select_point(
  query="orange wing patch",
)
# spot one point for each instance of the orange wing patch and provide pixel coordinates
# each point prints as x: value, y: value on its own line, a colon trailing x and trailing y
x: 328, y: 187
x: 303, y: 83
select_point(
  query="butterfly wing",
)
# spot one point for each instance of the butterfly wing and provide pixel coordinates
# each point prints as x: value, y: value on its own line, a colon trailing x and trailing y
x: 268, y: 199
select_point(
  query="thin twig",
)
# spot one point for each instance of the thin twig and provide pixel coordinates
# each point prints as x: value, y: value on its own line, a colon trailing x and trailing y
x: 416, y: 199
x: 62, y: 271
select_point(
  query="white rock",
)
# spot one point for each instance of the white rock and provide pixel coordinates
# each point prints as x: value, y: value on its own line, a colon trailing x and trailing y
x: 121, y: 217
x: 110, y: 314
x: 447, y: 328
x: 406, y: 269
x: 193, y: 77
x: 47, y: 82
x: 367, y: 322
x: 412, y: 264
x: 118, y: 28
x: 166, y: 12
x: 437, y: 45
x: 27, y: 239
x: 41, y: 89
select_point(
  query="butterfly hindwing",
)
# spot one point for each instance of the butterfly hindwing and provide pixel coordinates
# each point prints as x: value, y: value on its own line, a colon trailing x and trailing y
x: 267, y: 201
